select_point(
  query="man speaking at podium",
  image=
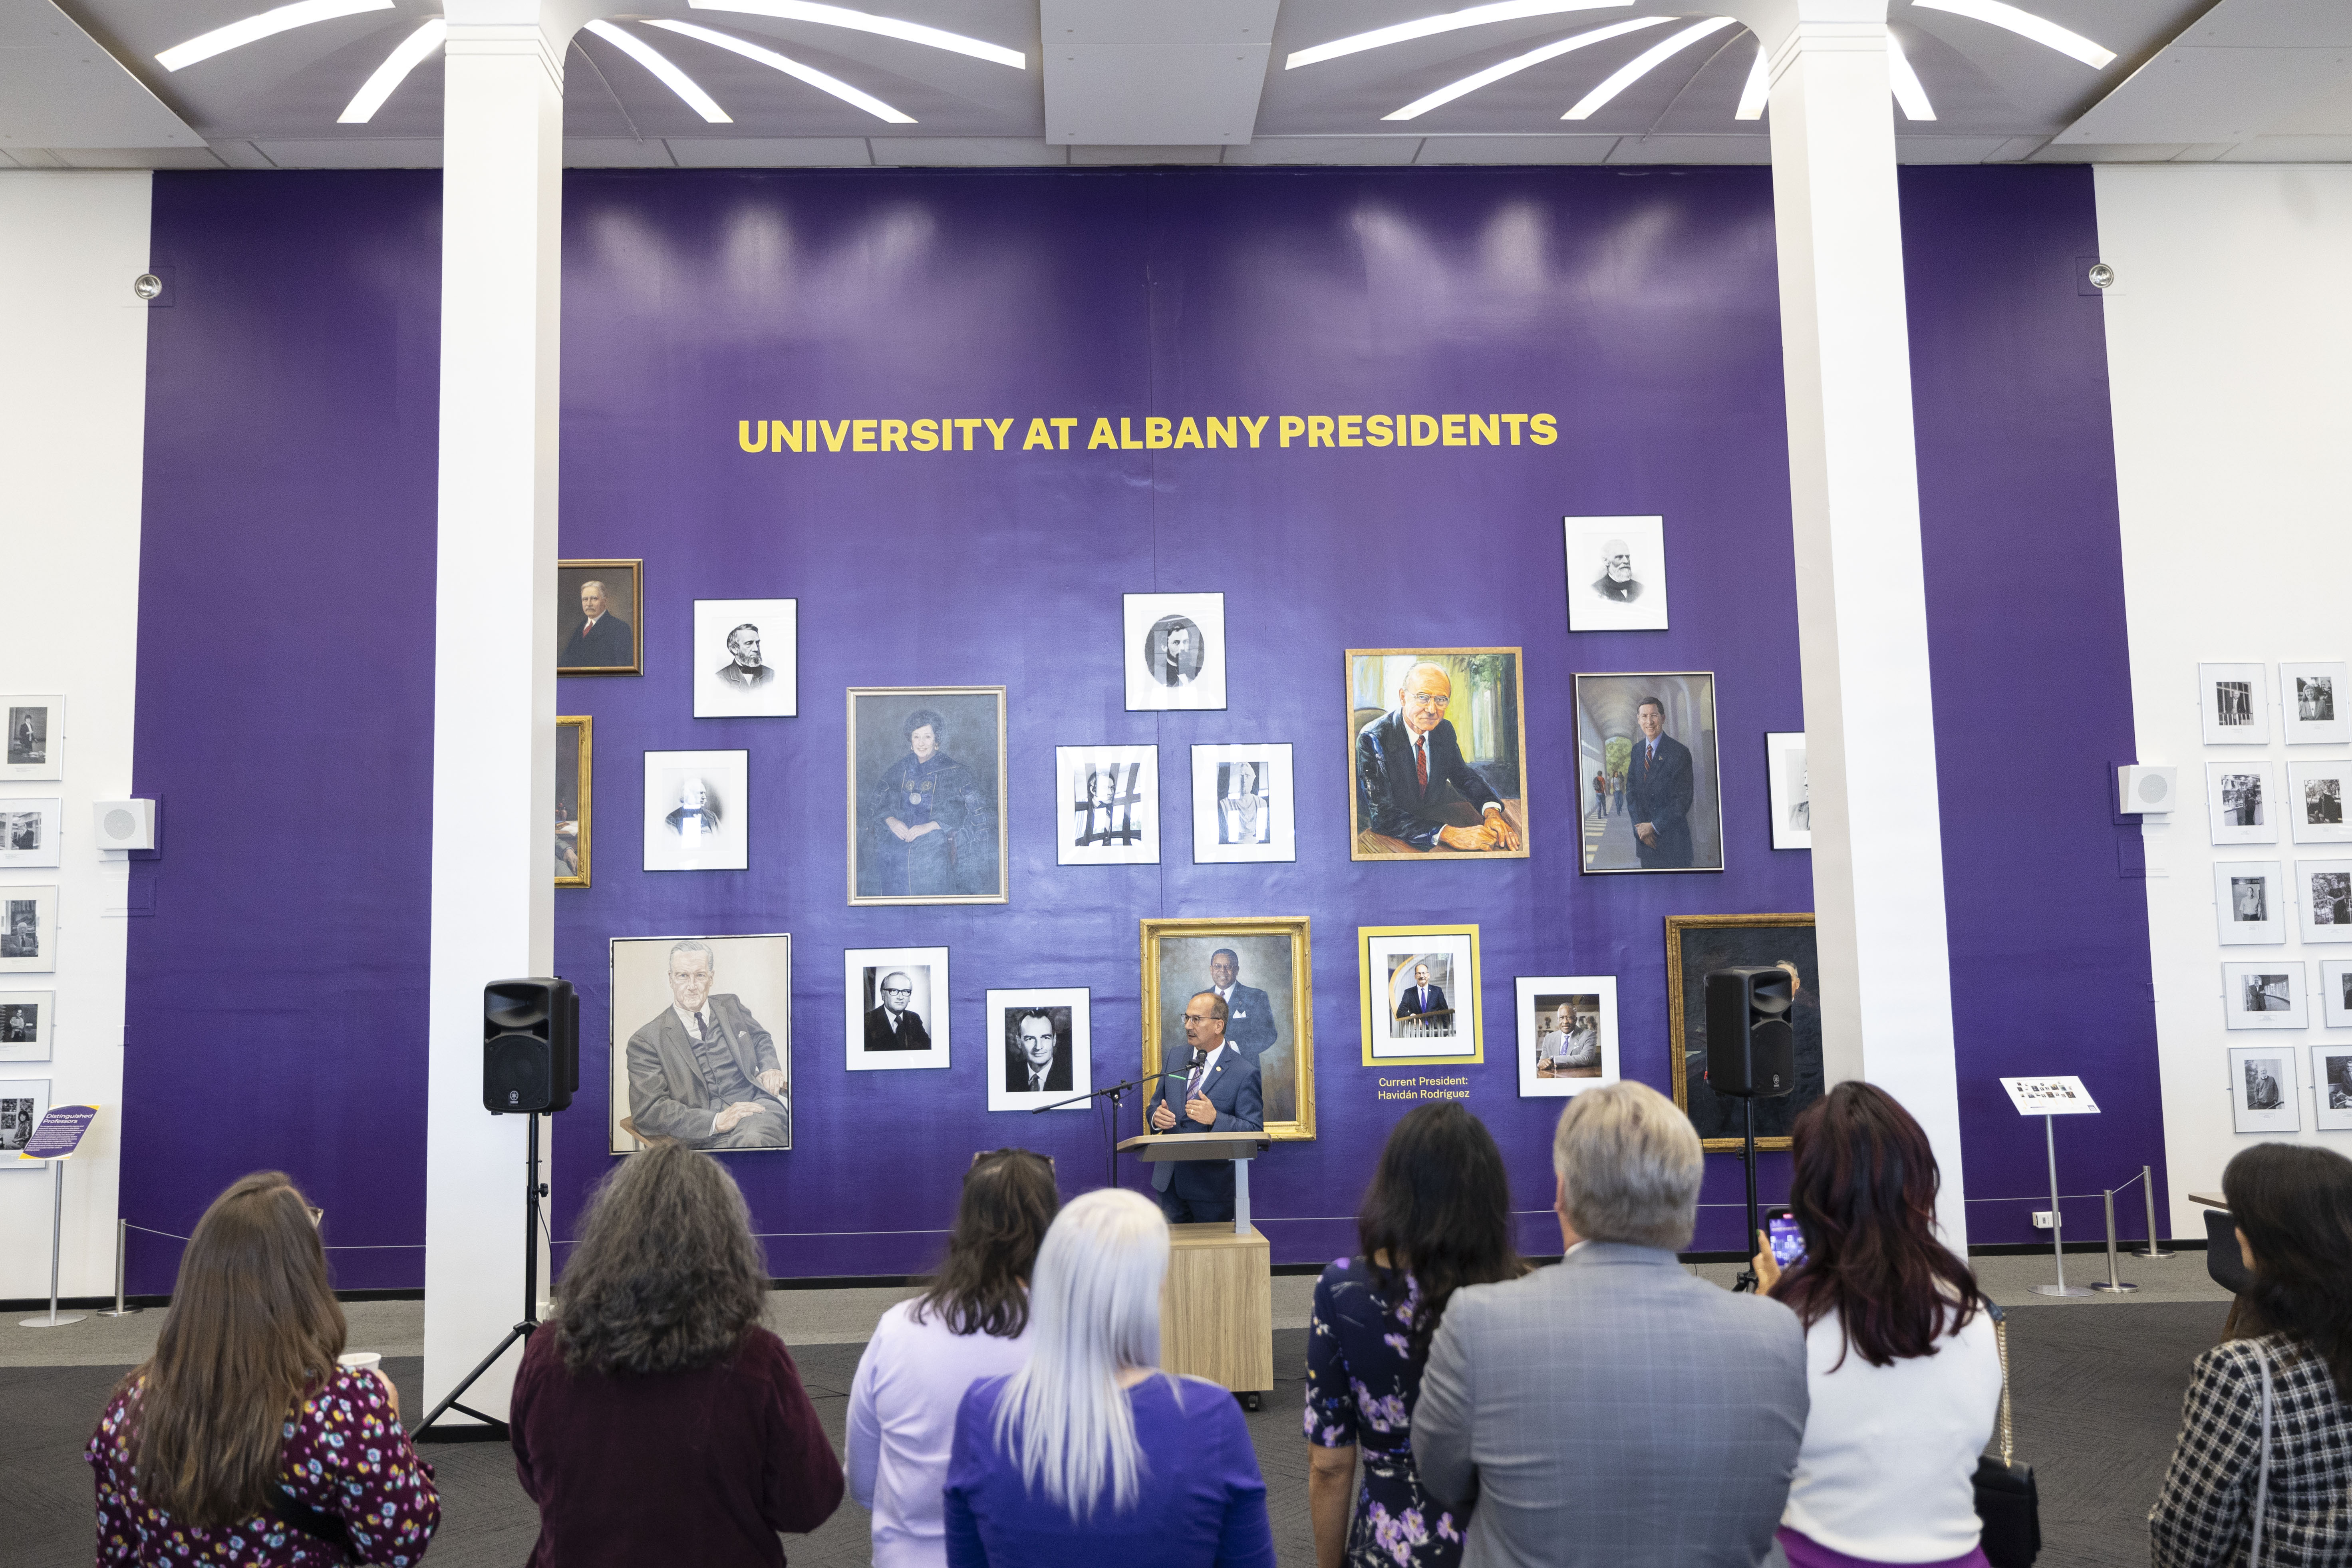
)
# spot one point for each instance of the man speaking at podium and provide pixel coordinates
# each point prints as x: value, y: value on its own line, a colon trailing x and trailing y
x: 1221, y: 1094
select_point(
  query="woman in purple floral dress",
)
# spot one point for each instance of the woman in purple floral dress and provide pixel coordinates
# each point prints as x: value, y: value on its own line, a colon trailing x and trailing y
x: 1438, y: 1216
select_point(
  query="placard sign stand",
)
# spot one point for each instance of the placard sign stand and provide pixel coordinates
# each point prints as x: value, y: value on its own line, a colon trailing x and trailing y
x: 55, y: 1141
x: 2051, y: 1097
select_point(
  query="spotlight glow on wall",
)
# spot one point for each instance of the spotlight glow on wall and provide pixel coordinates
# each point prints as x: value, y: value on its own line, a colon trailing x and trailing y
x: 888, y: 26
x: 220, y: 40
x: 2026, y: 25
x: 1446, y: 22
x: 1758, y: 91
x: 405, y: 56
x: 1908, y: 94
x: 1642, y: 65
x: 791, y: 67
x: 1518, y: 63
x: 677, y: 80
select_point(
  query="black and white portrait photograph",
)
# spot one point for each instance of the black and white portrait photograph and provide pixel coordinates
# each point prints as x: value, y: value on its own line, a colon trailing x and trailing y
x: 22, y: 1102
x: 1039, y: 1049
x: 600, y: 617
x: 2263, y: 1094
x: 1437, y: 754
x: 575, y: 777
x: 702, y: 1041
x: 2264, y: 996
x: 2235, y: 699
x: 1110, y: 805
x: 2315, y: 802
x: 1616, y: 573
x: 1697, y: 943
x: 1567, y: 1032
x: 28, y: 930
x: 2242, y: 802
x: 1244, y: 806
x: 1260, y: 970
x: 2335, y: 993
x: 1175, y: 654
x: 896, y: 1008
x: 1647, y: 772
x: 2331, y: 1087
x: 1791, y: 789
x: 698, y: 811
x: 2250, y: 901
x: 927, y: 795
x: 2311, y: 698
x: 746, y: 658
x: 29, y: 831
x: 27, y: 1022
x: 2322, y: 899
x: 1420, y: 994
x: 36, y: 738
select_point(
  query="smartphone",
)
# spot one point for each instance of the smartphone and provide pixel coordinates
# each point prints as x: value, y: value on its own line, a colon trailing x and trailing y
x: 1787, y: 1241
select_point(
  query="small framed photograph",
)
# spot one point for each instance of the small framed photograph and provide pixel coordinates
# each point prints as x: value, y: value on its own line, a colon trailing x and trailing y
x: 2308, y: 698
x: 1616, y: 573
x: 2235, y: 699
x: 1263, y: 970
x: 36, y: 738
x: 2242, y: 802
x: 600, y: 617
x: 1039, y: 1048
x: 2315, y: 802
x: 698, y: 811
x: 2331, y: 1087
x: 1110, y: 805
x: 1437, y: 751
x: 2265, y: 996
x: 575, y: 778
x: 896, y: 1008
x: 1792, y: 795
x: 2323, y: 900
x: 1647, y: 772
x: 2264, y: 1095
x: 30, y: 830
x: 927, y: 795
x: 2250, y: 901
x: 746, y: 658
x: 1567, y: 1033
x: 28, y: 930
x: 1244, y: 807
x: 1175, y: 651
x: 28, y: 1019
x: 1420, y: 994
x: 22, y: 1102
x: 2335, y: 993
x: 701, y: 1041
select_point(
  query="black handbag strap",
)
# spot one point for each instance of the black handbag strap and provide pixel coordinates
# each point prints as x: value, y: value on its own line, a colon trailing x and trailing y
x: 296, y: 1514
x: 2001, y: 1340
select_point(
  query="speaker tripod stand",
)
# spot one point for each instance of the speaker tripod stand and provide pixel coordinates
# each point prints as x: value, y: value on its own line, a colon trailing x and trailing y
x: 492, y: 1429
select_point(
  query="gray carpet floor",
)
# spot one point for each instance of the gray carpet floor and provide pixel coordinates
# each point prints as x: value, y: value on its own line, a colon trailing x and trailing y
x: 2097, y: 1408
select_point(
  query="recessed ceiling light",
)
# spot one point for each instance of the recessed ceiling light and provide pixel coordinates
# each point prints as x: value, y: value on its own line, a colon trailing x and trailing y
x: 2026, y: 25
x: 220, y: 40
x: 1446, y: 22
x: 677, y: 80
x: 1908, y: 93
x: 1758, y: 91
x: 888, y: 26
x: 1518, y: 63
x: 404, y: 58
x: 809, y: 74
x: 1642, y: 65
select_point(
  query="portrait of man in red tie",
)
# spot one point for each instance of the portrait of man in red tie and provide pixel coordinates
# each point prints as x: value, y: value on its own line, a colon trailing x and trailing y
x: 596, y: 616
x: 1420, y: 789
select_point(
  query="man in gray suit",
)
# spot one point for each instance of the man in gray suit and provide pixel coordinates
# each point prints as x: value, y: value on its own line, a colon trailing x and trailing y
x: 704, y: 1071
x: 1616, y: 1411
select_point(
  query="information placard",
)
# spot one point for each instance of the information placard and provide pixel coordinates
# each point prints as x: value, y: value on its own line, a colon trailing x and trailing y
x: 59, y: 1133
x: 2050, y: 1097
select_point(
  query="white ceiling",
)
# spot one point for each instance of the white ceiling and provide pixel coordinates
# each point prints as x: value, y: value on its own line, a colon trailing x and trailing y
x: 1182, y: 81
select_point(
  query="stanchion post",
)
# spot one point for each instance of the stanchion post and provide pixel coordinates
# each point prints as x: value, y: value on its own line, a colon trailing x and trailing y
x: 57, y: 1246
x: 122, y: 1308
x: 2113, y: 1283
x: 2147, y: 1185
x: 2057, y: 1216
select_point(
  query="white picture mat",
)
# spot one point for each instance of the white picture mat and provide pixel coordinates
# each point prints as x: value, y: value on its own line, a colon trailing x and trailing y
x: 47, y: 713
x: 40, y: 818
x: 2222, y: 812
x: 779, y: 624
x: 2232, y: 717
x: 1456, y: 976
x: 2237, y: 979
x: 2335, y: 993
x: 1531, y: 1030
x: 1003, y: 1006
x: 2333, y: 898
x: 2301, y: 802
x: 40, y: 1009
x: 1125, y: 830
x: 2325, y: 683
x: 1140, y: 614
x: 2331, y: 1086
x: 2273, y: 1067
x: 2050, y: 1095
x: 1791, y: 794
x: 16, y: 1122
x: 43, y: 941
x: 2271, y: 896
x: 927, y: 972
x: 727, y: 776
x: 1586, y: 540
x: 757, y: 971
x: 1278, y: 815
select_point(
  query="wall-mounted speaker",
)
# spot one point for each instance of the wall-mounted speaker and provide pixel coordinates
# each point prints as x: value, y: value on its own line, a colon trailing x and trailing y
x: 2140, y: 792
x: 1751, y: 1045
x: 531, y: 1046
x: 136, y: 826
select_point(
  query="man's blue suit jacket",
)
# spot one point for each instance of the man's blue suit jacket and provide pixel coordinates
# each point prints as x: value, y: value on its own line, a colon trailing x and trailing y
x: 1660, y: 795
x: 1411, y: 1003
x: 1388, y: 797
x: 1234, y: 1089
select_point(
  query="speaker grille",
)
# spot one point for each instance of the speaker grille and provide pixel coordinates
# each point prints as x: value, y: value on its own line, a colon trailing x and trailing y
x: 515, y: 1074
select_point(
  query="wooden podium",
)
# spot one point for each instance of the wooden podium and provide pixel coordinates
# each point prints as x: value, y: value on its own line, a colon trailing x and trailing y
x: 1216, y: 1310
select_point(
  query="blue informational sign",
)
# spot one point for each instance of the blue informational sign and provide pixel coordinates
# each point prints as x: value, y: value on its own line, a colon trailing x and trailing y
x: 59, y: 1133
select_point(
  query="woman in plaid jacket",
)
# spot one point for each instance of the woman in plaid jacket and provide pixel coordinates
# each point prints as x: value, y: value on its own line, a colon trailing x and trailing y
x: 2292, y: 1207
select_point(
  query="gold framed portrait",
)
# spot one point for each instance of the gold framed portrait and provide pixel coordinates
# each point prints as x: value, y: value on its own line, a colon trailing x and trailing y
x: 1697, y: 943
x: 1438, y: 754
x: 575, y: 782
x: 1262, y: 967
x: 1421, y: 994
x: 600, y: 617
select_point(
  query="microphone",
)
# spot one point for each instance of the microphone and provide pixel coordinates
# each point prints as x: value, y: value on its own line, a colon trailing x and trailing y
x: 1200, y: 1059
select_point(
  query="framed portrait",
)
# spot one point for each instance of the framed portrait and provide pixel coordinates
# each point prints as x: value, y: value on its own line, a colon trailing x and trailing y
x: 1696, y: 944
x: 2323, y: 900
x: 35, y: 747
x: 28, y: 930
x: 2235, y: 701
x: 698, y: 811
x: 1567, y: 1033
x: 22, y: 1102
x: 1109, y: 811
x: 1791, y: 787
x: 2242, y: 801
x: 2331, y: 1087
x: 29, y: 829
x: 1437, y: 749
x: 1040, y: 1047
x: 2264, y: 996
x: 2335, y: 993
x: 2263, y: 1094
x: 1262, y: 968
x: 1647, y: 772
x: 575, y: 779
x: 2308, y: 699
x: 600, y: 625
x: 2315, y: 802
x: 2250, y: 901
x: 927, y: 795
x: 746, y: 658
x: 1244, y: 806
x: 738, y: 993
x: 1616, y: 573
x: 895, y: 1007
x: 1174, y: 651
x: 1421, y: 994
x: 29, y: 1021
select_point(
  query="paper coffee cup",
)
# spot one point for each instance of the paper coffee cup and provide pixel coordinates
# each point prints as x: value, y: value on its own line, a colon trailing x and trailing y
x: 360, y: 1361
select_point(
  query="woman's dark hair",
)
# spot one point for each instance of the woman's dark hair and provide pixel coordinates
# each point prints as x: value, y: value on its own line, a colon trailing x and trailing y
x: 254, y: 1331
x: 926, y: 719
x: 1440, y: 1207
x: 2295, y: 1204
x: 1863, y: 1192
x: 668, y: 1275
x: 1009, y: 1199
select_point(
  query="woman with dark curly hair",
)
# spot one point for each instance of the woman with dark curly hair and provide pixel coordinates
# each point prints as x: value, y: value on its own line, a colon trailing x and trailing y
x: 655, y: 1420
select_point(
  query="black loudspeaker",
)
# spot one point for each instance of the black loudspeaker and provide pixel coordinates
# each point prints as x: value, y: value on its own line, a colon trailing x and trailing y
x: 530, y: 1045
x: 1751, y: 1045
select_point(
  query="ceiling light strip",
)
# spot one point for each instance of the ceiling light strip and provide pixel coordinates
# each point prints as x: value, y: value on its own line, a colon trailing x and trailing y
x: 888, y: 26
x: 1758, y: 91
x: 791, y: 67
x: 2026, y: 25
x: 1446, y: 22
x: 405, y: 56
x: 1908, y: 94
x: 220, y: 40
x: 677, y: 80
x: 1642, y: 65
x: 1518, y: 63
